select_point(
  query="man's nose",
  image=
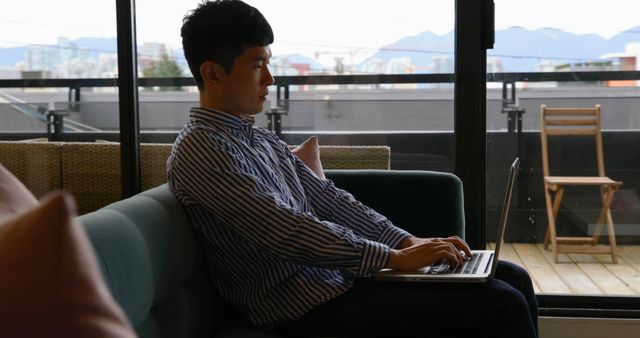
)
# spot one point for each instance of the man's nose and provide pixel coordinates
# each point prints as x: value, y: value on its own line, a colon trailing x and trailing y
x: 267, y: 77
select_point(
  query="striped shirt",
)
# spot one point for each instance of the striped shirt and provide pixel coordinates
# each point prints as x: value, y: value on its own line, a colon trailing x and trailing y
x: 278, y: 240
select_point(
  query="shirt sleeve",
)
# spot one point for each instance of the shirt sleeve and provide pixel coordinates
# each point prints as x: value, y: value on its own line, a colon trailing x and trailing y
x: 339, y: 206
x: 218, y: 177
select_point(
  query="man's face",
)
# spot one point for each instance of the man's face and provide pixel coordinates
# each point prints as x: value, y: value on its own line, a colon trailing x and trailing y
x: 244, y: 89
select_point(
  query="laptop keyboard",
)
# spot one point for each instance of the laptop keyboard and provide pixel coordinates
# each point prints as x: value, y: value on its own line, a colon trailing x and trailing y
x: 469, y: 266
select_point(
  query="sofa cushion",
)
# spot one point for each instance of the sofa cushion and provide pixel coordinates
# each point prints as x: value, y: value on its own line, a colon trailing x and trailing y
x: 51, y: 285
x: 425, y: 203
x: 309, y: 153
x: 14, y: 196
x: 154, y: 265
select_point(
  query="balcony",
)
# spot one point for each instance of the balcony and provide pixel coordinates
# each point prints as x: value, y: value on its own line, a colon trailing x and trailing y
x: 417, y: 124
x: 577, y: 274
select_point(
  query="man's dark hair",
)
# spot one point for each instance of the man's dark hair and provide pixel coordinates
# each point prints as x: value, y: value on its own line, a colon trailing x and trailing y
x: 220, y: 31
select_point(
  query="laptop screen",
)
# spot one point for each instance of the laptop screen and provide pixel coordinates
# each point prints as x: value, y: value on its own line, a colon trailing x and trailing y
x: 515, y: 166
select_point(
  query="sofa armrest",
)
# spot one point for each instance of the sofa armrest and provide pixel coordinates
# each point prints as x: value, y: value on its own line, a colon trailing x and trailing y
x: 425, y: 203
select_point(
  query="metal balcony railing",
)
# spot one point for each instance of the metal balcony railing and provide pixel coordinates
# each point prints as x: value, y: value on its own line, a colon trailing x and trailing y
x: 283, y: 84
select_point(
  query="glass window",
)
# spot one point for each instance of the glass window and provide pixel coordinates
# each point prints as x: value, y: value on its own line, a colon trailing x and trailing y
x: 58, y: 64
x: 565, y: 54
x: 320, y: 39
x: 45, y: 42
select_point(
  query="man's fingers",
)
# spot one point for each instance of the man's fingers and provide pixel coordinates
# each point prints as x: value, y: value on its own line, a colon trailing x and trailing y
x: 429, y: 252
x: 440, y: 248
x: 451, y: 258
x: 460, y: 244
x: 455, y: 251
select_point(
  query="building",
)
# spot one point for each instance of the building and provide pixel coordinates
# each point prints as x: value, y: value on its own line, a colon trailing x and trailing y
x: 627, y: 60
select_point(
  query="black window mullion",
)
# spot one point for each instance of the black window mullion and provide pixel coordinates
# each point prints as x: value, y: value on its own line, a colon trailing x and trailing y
x: 128, y: 97
x: 470, y: 117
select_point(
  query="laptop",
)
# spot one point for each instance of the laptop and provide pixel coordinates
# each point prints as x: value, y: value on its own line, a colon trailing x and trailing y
x: 480, y: 268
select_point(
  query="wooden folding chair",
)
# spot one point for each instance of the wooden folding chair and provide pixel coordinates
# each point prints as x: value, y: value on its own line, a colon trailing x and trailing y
x: 576, y: 122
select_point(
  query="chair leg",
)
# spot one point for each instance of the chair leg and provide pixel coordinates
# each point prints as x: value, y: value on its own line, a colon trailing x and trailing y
x: 605, y: 216
x: 612, y: 238
x: 547, y: 234
x: 547, y: 238
x: 601, y: 217
x: 556, y: 208
x: 557, y: 201
x: 610, y: 229
x: 552, y: 213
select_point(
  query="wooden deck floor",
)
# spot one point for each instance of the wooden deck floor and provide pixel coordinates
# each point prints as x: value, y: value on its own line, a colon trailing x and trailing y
x: 587, y: 274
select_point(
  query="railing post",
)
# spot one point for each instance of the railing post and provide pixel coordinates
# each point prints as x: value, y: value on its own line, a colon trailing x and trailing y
x: 506, y: 101
x: 55, y: 124
x: 514, y: 127
x: 275, y: 115
x: 513, y: 111
x: 74, y: 98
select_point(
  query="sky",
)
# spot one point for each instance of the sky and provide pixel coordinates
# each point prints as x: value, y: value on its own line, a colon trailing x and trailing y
x: 354, y: 28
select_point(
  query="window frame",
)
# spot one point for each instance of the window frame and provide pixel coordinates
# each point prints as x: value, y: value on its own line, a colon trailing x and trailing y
x: 472, y: 20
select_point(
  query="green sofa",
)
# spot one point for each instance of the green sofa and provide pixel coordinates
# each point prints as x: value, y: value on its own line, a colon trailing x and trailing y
x: 153, y: 263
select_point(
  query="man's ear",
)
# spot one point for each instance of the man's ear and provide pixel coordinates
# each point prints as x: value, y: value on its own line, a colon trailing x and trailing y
x: 212, y: 73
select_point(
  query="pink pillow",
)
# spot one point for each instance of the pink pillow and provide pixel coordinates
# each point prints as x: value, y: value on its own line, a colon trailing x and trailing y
x: 309, y: 153
x: 51, y: 285
x: 15, y: 198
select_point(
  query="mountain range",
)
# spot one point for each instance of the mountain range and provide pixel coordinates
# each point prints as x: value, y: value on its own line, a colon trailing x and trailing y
x: 519, y: 49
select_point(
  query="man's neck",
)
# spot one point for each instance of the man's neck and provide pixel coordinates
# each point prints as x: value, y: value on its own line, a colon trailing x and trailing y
x: 207, y: 102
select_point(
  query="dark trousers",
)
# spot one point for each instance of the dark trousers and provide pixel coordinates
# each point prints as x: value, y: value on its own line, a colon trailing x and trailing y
x: 503, y: 307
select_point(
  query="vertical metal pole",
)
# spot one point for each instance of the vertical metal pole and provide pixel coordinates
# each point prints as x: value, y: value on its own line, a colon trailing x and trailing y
x: 271, y: 113
x: 128, y: 96
x: 277, y: 124
x: 285, y: 110
x: 470, y: 116
x: 505, y: 98
x: 275, y: 116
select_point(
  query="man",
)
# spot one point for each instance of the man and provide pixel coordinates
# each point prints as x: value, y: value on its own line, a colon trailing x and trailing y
x: 288, y: 249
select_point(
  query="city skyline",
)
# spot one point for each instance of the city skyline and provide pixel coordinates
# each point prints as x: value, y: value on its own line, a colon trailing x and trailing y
x: 517, y: 49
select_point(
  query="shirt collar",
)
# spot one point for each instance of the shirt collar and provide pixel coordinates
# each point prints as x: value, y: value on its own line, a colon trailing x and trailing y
x: 218, y: 117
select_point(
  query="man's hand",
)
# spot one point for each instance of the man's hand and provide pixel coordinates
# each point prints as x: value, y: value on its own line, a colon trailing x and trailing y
x: 411, y: 241
x: 416, y: 253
